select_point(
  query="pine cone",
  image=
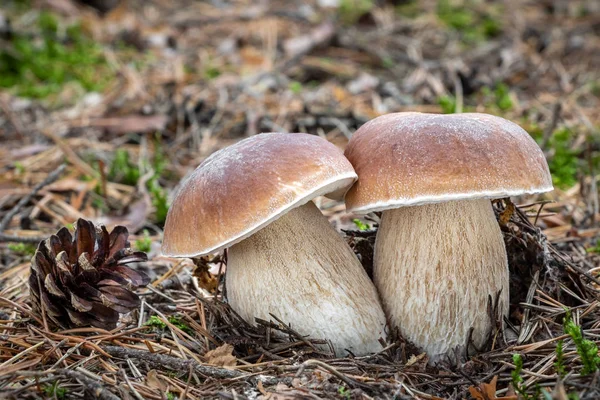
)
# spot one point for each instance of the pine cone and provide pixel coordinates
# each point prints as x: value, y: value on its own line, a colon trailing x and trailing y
x: 83, y: 280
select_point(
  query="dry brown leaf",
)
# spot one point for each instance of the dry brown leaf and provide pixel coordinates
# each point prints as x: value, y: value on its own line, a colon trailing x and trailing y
x: 415, y: 359
x: 507, y: 213
x: 131, y: 123
x: 154, y: 380
x: 221, y: 356
x: 261, y: 388
x: 206, y: 280
x: 487, y: 391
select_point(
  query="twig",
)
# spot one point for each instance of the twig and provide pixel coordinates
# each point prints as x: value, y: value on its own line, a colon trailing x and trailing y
x: 350, y: 382
x: 94, y: 389
x: 163, y: 361
x: 49, y: 179
x: 21, y: 239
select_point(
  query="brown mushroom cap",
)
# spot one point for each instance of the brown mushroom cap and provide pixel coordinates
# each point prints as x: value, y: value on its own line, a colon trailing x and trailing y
x: 408, y: 159
x: 242, y: 188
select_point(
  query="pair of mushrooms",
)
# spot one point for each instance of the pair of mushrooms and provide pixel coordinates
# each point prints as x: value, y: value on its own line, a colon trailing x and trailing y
x: 439, y: 252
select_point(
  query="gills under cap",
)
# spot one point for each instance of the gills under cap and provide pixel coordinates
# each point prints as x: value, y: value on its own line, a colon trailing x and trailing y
x: 242, y: 188
x: 409, y: 159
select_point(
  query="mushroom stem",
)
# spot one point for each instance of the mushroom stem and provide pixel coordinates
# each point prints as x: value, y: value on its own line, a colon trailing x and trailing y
x: 435, y: 267
x: 301, y: 270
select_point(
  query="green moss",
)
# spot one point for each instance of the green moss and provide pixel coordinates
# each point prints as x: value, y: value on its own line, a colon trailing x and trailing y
x: 502, y: 95
x: 178, y: 322
x: 448, y: 104
x: 408, y: 9
x: 19, y: 167
x: 22, y: 249
x: 350, y: 11
x: 595, y: 88
x: 559, y: 365
x: 295, y: 87
x: 158, y: 323
x: 145, y: 243
x: 41, y: 66
x: 464, y: 17
x: 122, y: 169
x: 55, y: 392
x: 211, y: 73
x: 587, y: 350
x: 159, y: 200
x: 497, y: 99
x: 344, y: 392
x: 595, y: 249
x: 564, y: 163
x: 155, y: 322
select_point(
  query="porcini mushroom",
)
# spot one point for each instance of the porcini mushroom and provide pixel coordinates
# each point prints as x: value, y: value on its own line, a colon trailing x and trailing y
x: 284, y: 257
x: 439, y: 251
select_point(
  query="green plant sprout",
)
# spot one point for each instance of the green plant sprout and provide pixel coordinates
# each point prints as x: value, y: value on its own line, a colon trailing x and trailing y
x: 55, y: 392
x: 155, y: 322
x: 448, y: 104
x: 145, y: 243
x: 361, y: 225
x: 158, y: 323
x: 517, y: 380
x: 178, y: 322
x: 123, y: 170
x: 564, y: 163
x: 594, y: 249
x: 587, y: 350
x: 344, y: 392
x: 22, y: 249
x: 295, y: 87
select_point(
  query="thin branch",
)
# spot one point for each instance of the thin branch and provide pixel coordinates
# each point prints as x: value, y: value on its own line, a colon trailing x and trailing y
x: 24, y: 200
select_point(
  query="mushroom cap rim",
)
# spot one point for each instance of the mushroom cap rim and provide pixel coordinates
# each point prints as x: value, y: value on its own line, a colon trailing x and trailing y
x: 336, y: 183
x: 428, y: 199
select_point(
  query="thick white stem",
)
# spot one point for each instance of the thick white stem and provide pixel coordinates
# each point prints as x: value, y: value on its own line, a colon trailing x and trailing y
x: 435, y: 266
x: 301, y: 270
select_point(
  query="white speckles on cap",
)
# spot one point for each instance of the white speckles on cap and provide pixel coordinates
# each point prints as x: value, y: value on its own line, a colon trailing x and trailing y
x: 242, y: 188
x: 407, y: 159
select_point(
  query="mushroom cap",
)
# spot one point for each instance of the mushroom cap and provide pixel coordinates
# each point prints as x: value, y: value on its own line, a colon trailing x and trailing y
x: 240, y: 189
x: 410, y: 159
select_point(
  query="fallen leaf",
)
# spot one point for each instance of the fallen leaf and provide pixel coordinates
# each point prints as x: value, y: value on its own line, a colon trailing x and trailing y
x: 507, y: 213
x: 487, y: 391
x: 154, y: 380
x: 131, y: 123
x: 206, y: 280
x: 414, y: 359
x: 221, y: 356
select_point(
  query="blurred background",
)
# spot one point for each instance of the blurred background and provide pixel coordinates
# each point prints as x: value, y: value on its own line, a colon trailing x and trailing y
x: 134, y: 94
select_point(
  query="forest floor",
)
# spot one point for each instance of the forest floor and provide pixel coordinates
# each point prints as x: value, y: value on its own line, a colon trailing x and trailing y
x: 133, y: 99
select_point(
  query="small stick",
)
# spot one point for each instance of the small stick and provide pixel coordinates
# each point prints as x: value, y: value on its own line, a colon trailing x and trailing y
x: 93, y: 388
x: 10, y: 214
x: 163, y: 361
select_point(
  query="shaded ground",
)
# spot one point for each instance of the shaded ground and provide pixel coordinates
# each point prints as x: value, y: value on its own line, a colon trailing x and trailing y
x: 135, y: 99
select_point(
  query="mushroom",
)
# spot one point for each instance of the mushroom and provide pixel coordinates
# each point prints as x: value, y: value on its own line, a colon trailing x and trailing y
x: 284, y: 257
x: 439, y: 253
